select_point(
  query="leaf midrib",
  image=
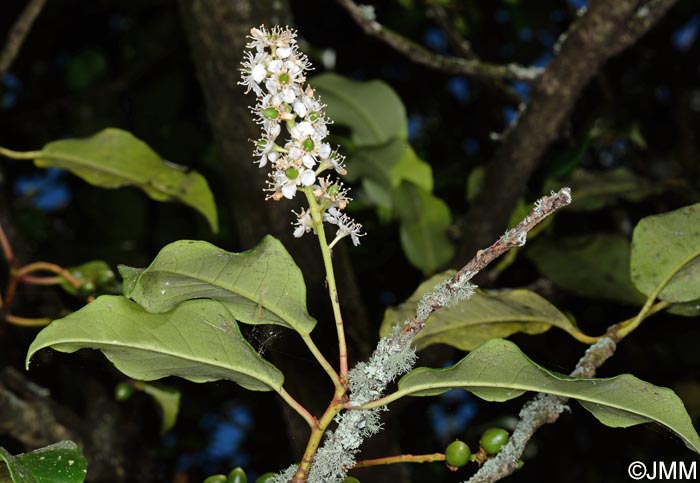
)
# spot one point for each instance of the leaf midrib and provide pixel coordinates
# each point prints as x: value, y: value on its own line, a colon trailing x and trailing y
x: 104, y: 169
x: 92, y: 343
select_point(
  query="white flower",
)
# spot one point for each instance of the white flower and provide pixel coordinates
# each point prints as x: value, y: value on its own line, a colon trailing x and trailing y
x: 275, y: 70
x: 304, y: 223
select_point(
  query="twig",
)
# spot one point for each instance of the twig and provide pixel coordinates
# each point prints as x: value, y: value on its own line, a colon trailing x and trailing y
x: 459, y: 43
x: 420, y: 55
x: 541, y: 410
x: 18, y: 33
x: 403, y: 458
x: 607, y: 27
x: 7, y: 249
x: 395, y: 356
x: 445, y: 294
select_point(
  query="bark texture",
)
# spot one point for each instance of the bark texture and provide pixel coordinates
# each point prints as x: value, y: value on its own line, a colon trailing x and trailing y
x: 605, y: 29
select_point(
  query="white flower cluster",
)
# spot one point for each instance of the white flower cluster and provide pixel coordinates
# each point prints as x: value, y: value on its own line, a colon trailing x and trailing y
x: 275, y: 71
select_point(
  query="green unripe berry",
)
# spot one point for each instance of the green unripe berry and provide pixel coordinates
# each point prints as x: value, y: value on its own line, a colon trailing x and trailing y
x: 308, y: 144
x: 350, y: 479
x: 237, y: 476
x: 291, y: 173
x: 457, y: 453
x: 283, y: 78
x: 216, y: 479
x: 521, y: 463
x: 270, y: 113
x: 265, y: 478
x: 123, y: 391
x: 493, y: 440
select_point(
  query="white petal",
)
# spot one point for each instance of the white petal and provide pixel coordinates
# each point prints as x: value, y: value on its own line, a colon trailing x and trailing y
x: 308, y: 177
x: 295, y: 153
x: 283, y: 52
x: 300, y: 109
x: 308, y: 161
x: 288, y: 95
x: 305, y: 129
x: 299, y: 231
x: 259, y: 73
x: 324, y: 150
x: 289, y: 190
x: 274, y: 66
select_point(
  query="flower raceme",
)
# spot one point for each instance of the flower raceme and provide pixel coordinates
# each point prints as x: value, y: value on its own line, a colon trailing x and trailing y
x: 275, y: 70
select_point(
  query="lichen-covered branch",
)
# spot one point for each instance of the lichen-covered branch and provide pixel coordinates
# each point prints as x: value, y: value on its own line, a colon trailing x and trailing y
x: 363, y: 16
x: 394, y: 355
x: 542, y: 409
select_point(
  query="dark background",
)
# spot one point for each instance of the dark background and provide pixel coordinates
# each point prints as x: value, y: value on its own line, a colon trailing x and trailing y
x: 89, y: 65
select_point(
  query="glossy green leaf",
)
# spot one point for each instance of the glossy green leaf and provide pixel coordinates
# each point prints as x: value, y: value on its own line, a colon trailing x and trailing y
x: 425, y: 220
x: 666, y: 253
x: 113, y: 158
x: 168, y: 400
x: 259, y: 286
x: 371, y: 109
x: 594, y: 266
x: 58, y: 463
x: 485, y: 316
x: 199, y: 340
x: 499, y: 371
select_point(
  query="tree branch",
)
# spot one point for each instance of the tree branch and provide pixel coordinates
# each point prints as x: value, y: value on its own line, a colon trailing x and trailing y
x: 605, y: 29
x: 418, y: 54
x: 541, y: 410
x: 395, y: 356
x: 461, y: 45
x: 18, y: 33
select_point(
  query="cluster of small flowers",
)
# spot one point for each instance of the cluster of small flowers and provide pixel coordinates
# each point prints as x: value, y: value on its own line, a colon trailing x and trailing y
x: 275, y: 70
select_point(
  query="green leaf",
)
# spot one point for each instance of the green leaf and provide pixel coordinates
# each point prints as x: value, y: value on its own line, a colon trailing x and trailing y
x: 390, y: 164
x: 113, y: 158
x: 371, y: 109
x: 499, y: 371
x: 425, y: 220
x: 598, y: 189
x: 594, y: 266
x: 686, y: 309
x: 260, y: 286
x: 199, y: 340
x: 167, y: 398
x: 485, y: 316
x: 666, y: 255
x: 62, y: 462
x: 13, y: 470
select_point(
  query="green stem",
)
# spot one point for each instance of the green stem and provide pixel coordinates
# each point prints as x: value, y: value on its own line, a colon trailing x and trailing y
x: 317, y: 217
x: 308, y: 417
x: 317, y: 432
x: 627, y: 327
x: 403, y: 458
x: 8, y: 153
